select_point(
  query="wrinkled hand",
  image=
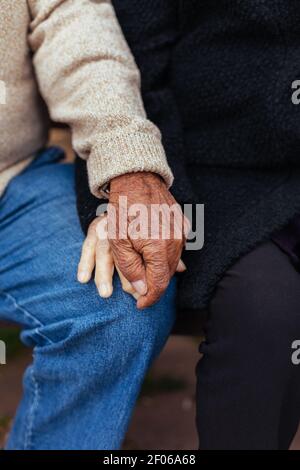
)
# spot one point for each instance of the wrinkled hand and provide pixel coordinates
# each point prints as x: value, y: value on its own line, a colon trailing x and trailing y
x: 96, y: 254
x: 148, y: 262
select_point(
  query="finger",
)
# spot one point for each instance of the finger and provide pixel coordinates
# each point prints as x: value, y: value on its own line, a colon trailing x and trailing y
x: 157, y: 274
x: 136, y: 296
x: 186, y: 227
x: 104, y: 269
x: 87, y: 261
x: 130, y: 263
x: 181, y: 267
x: 126, y: 285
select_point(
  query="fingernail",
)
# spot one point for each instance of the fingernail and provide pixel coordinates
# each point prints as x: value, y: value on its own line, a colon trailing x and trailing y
x: 104, y: 289
x: 140, y: 287
x: 83, y: 276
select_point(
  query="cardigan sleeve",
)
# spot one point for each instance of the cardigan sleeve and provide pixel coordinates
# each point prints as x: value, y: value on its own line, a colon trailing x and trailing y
x: 89, y: 80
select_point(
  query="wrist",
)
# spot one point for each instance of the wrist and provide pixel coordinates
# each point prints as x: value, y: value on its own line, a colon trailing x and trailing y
x: 140, y: 180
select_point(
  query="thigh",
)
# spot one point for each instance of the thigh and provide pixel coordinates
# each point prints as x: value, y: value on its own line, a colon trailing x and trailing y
x: 90, y: 354
x: 245, y: 374
x: 40, y: 241
x: 258, y: 300
x: 40, y: 248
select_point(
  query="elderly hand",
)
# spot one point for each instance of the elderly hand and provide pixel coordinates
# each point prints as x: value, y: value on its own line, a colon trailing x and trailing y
x: 148, y: 262
x: 97, y: 255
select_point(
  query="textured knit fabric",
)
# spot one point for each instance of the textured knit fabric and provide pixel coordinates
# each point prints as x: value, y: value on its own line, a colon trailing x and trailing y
x: 88, y: 79
x: 217, y: 80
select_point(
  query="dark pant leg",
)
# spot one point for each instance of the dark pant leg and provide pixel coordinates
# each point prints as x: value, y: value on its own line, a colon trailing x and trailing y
x: 248, y: 388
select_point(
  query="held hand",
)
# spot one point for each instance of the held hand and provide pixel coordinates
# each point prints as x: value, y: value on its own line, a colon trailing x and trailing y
x: 96, y: 254
x: 148, y: 262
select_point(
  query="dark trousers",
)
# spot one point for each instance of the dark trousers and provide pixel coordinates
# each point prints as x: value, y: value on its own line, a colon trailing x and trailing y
x: 248, y: 389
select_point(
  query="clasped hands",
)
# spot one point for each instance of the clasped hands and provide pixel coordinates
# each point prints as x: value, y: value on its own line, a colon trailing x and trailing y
x: 139, y: 236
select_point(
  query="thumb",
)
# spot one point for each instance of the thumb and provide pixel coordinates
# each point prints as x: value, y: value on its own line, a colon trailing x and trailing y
x: 140, y: 286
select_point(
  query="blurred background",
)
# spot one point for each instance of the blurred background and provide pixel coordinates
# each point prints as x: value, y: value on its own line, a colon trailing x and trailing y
x: 164, y: 418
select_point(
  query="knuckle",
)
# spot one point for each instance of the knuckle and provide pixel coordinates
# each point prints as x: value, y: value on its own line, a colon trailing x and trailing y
x: 93, y: 225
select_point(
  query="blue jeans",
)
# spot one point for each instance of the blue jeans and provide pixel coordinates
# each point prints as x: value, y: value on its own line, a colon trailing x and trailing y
x: 90, y: 355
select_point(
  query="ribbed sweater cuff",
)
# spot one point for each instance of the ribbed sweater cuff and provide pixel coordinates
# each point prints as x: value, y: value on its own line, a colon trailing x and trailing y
x: 126, y: 153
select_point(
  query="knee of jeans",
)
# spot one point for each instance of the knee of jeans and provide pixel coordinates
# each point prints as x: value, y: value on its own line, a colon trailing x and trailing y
x: 114, y: 325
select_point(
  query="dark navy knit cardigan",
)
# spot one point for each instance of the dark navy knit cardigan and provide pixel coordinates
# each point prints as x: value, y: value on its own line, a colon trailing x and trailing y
x: 217, y: 80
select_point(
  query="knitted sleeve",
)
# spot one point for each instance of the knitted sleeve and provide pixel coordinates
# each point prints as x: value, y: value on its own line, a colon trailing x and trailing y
x: 89, y: 80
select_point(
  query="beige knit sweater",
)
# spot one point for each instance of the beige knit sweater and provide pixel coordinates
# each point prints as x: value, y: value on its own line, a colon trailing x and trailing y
x: 72, y: 54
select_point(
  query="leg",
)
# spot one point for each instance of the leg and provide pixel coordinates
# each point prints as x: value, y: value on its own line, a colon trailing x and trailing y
x: 248, y: 389
x: 90, y: 354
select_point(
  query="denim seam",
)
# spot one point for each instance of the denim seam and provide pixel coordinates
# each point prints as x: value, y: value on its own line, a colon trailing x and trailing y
x: 32, y: 411
x: 27, y: 314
